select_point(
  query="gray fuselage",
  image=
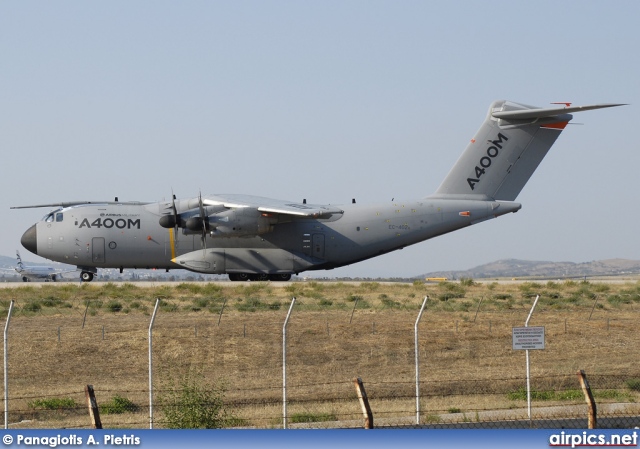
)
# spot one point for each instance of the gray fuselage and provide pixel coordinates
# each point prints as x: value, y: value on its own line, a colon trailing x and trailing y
x: 129, y: 236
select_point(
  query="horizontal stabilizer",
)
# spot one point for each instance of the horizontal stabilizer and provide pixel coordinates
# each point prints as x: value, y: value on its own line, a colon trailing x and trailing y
x: 525, y: 114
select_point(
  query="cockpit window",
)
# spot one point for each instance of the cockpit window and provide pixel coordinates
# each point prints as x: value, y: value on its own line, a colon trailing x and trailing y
x: 56, y: 214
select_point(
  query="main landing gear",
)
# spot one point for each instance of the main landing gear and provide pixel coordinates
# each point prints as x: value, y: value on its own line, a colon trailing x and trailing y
x: 259, y: 277
x: 86, y: 276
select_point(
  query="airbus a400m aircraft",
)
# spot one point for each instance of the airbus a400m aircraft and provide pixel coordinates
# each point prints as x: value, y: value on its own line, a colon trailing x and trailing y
x: 255, y: 238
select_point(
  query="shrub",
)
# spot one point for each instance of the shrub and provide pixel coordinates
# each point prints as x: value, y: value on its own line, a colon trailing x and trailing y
x: 32, y: 306
x: 118, y: 405
x: 194, y: 405
x: 250, y: 305
x: 51, y: 301
x: 167, y: 306
x: 114, y: 306
x: 502, y: 296
x: 450, y: 295
x: 389, y: 303
x: 200, y: 303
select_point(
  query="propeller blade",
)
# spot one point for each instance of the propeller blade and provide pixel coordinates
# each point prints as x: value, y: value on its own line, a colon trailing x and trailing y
x: 204, y: 224
x: 176, y: 217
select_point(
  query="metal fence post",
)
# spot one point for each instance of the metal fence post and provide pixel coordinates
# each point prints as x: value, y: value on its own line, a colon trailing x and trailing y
x: 526, y: 324
x: 153, y: 317
x: 284, y: 365
x: 415, y: 332
x: 6, y: 368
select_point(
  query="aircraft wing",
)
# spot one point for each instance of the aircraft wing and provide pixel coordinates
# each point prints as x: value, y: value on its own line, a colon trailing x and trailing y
x: 269, y: 205
x: 78, y: 203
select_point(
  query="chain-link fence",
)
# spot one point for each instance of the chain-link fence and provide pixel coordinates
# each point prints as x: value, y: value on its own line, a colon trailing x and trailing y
x: 469, y: 374
x: 391, y: 407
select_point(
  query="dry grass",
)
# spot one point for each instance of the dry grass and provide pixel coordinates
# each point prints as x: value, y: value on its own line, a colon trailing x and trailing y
x: 467, y: 364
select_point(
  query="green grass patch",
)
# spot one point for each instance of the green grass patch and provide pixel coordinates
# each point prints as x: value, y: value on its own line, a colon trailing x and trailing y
x: 251, y: 305
x: 305, y: 417
x: 118, y: 405
x: 545, y: 395
x: 53, y: 404
x: 633, y: 384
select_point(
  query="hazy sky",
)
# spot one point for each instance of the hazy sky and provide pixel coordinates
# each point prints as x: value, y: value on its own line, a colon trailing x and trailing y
x: 326, y: 101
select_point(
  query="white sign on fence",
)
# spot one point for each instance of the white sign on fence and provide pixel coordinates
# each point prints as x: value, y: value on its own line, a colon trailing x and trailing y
x: 528, y: 337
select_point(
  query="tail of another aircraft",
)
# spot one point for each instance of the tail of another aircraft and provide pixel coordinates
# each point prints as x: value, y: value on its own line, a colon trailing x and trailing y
x: 507, y: 149
x: 20, y: 265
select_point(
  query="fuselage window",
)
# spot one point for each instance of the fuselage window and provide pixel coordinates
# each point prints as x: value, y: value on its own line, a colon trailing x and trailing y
x: 49, y: 218
x: 59, y: 216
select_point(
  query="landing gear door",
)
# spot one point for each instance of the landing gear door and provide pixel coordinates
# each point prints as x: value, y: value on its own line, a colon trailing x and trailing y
x: 97, y: 248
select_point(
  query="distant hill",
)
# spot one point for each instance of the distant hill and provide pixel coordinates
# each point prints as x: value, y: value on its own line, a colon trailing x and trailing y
x: 528, y: 268
x: 7, y: 262
x: 11, y: 262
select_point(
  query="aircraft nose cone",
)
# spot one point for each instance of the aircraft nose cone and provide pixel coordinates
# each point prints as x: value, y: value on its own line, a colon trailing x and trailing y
x: 30, y: 240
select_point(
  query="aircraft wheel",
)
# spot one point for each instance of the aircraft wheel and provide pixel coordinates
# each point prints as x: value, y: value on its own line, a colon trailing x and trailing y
x: 280, y: 277
x: 238, y: 277
x: 85, y: 276
x: 25, y: 279
x: 54, y: 278
x: 259, y: 277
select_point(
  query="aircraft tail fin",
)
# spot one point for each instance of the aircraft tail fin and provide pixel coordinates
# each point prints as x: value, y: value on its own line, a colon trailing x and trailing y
x: 507, y: 149
x: 20, y: 265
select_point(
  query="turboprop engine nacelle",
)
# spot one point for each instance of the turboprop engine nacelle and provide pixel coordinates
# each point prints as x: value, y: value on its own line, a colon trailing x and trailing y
x: 240, y: 222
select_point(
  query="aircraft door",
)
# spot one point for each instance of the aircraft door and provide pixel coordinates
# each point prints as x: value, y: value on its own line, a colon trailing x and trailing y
x: 318, y: 246
x: 97, y: 248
